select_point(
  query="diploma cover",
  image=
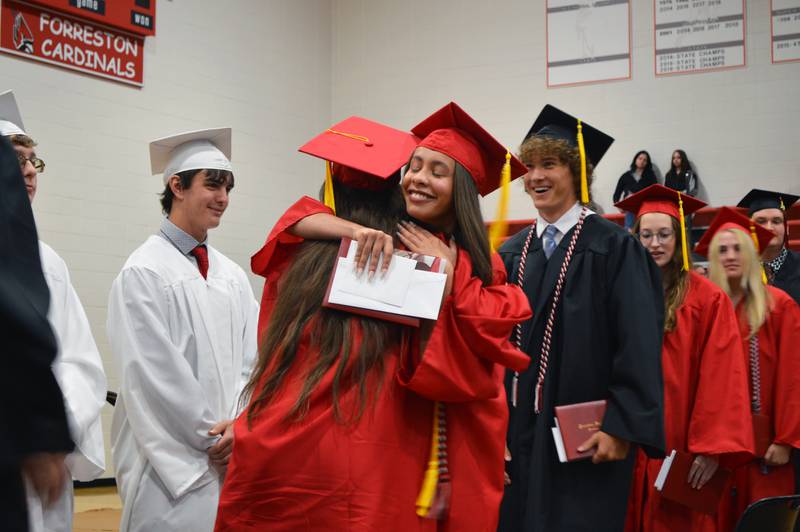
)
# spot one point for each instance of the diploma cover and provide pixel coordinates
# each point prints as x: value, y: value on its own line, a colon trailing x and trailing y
x: 574, y: 425
x: 672, y: 482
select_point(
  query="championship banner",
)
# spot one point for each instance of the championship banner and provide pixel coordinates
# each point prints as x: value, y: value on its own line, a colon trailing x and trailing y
x: 32, y: 32
x: 698, y: 35
x: 785, y: 25
x: 587, y: 41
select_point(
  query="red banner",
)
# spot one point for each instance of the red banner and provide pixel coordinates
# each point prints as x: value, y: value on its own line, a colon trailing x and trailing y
x: 51, y: 37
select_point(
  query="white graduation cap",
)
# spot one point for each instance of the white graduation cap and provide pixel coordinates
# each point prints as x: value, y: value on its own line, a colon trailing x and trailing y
x: 206, y: 149
x: 10, y: 117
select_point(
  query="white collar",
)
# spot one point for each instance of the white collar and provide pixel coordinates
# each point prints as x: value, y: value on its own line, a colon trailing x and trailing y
x: 567, y: 221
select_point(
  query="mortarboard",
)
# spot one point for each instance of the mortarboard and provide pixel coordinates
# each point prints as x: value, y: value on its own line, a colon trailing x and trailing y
x: 205, y: 149
x: 361, y: 154
x: 757, y: 199
x: 451, y: 131
x: 591, y: 142
x: 730, y: 218
x: 10, y: 117
x: 658, y: 198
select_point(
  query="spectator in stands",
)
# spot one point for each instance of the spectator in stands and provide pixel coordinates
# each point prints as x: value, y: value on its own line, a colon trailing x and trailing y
x: 681, y: 176
x: 638, y: 177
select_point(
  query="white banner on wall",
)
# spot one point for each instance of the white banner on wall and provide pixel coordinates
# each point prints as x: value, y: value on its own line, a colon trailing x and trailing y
x: 785, y: 30
x: 698, y: 35
x: 587, y: 40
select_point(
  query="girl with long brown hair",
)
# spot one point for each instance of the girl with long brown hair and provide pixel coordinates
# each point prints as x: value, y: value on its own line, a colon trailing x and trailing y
x: 769, y: 328
x: 705, y: 382
x: 338, y: 429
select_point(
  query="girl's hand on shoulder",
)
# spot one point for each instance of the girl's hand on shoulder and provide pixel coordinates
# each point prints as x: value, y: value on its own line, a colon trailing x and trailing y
x: 420, y: 240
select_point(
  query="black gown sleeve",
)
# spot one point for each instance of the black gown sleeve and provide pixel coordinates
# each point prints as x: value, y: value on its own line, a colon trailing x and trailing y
x: 32, y: 414
x: 636, y: 392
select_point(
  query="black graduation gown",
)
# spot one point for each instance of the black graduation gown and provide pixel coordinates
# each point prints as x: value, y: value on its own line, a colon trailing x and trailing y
x: 606, y: 345
x: 788, y: 280
x: 32, y: 416
x: 788, y: 277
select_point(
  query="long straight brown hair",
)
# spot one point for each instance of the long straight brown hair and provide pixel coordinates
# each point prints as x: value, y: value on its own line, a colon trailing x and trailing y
x: 470, y: 232
x: 298, y: 315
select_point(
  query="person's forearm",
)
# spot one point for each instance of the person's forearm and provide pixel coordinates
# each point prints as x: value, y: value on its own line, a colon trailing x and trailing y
x: 323, y: 226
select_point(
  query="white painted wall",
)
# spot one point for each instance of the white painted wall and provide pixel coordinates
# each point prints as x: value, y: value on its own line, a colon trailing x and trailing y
x: 279, y: 71
x: 399, y: 61
x: 262, y: 67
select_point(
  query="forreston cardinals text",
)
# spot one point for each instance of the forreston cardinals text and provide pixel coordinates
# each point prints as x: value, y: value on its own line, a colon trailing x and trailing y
x: 86, y: 46
x: 41, y: 34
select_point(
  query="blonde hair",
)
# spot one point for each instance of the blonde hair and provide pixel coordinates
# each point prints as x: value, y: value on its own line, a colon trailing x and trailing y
x: 756, y: 296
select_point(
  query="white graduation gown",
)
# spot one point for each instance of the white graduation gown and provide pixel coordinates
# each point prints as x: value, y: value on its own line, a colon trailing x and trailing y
x: 78, y: 369
x: 185, y: 347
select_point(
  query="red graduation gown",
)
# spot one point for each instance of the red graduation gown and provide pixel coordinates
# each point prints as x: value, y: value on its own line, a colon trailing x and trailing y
x: 706, y: 403
x: 322, y: 475
x: 778, y: 339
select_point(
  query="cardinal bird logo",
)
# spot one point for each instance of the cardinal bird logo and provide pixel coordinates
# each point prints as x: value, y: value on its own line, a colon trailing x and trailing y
x: 23, y: 36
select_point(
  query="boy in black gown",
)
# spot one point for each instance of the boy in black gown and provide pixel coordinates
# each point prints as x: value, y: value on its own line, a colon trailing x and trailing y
x: 605, y: 342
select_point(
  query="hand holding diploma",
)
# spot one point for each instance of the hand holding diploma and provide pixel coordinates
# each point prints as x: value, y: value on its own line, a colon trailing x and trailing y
x: 609, y: 448
x: 703, y: 468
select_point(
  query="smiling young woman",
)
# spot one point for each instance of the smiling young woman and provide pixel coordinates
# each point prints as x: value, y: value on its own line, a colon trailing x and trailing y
x: 451, y: 370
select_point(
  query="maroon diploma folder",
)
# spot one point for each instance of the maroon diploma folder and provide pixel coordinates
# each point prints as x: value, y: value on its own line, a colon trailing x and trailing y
x: 762, y: 433
x: 574, y: 425
x: 672, y: 482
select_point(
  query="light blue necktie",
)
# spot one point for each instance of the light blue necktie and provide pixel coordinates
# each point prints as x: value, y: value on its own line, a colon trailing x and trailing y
x: 549, y: 240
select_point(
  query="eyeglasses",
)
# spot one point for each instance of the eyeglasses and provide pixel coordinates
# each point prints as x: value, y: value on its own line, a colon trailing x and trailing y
x: 663, y: 236
x: 35, y: 161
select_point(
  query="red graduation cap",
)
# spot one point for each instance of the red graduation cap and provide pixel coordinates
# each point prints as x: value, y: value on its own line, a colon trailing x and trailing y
x: 658, y: 198
x: 364, y: 154
x: 730, y: 218
x: 453, y: 132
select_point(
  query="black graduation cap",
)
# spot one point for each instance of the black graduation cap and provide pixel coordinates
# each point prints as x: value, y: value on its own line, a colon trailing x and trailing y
x: 757, y: 199
x: 555, y: 123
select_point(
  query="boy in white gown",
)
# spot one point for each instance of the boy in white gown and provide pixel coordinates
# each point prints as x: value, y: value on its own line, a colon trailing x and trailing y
x: 78, y: 366
x: 182, y: 325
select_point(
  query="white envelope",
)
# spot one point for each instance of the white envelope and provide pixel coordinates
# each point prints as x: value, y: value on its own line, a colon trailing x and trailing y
x: 423, y: 289
x: 390, y: 288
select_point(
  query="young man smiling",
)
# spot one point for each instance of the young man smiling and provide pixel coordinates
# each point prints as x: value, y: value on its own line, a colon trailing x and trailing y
x: 601, y: 340
x: 182, y: 324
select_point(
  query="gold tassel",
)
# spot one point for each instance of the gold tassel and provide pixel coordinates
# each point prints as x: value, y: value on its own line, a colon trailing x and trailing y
x: 328, y: 196
x: 499, y: 227
x: 582, y: 150
x: 783, y: 207
x: 684, y: 243
x: 428, y: 491
x: 758, y: 252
